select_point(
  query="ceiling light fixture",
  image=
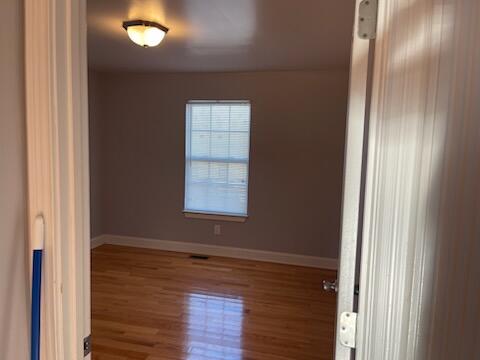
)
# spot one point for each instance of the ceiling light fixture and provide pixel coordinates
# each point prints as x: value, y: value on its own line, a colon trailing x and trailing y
x: 145, y: 33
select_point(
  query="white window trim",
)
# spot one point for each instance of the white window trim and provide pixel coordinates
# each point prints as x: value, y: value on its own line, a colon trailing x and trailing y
x: 189, y: 214
x: 219, y: 102
x: 221, y: 216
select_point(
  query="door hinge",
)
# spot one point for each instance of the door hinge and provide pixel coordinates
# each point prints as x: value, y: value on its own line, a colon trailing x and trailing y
x: 348, y: 329
x: 367, y: 19
x: 87, y: 345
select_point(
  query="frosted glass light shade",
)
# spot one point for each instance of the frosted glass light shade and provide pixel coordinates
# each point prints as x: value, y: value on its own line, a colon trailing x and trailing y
x: 145, y: 33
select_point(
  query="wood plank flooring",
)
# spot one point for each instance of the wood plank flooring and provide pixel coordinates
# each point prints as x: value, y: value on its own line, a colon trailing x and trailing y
x: 158, y: 305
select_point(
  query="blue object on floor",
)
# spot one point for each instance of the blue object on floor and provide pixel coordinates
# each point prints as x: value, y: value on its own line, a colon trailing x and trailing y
x: 36, y: 300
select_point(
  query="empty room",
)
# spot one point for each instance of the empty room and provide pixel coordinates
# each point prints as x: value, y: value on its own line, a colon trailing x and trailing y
x: 239, y: 180
x: 216, y: 167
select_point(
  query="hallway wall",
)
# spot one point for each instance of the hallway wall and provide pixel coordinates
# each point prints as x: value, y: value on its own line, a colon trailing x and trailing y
x: 14, y: 268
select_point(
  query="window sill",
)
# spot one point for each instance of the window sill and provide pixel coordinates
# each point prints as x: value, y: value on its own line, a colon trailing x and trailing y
x: 215, y: 217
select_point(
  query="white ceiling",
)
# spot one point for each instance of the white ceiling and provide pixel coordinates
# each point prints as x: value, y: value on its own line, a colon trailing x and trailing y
x: 223, y: 35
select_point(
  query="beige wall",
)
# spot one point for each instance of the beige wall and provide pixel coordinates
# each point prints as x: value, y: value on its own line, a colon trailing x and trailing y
x: 297, y: 141
x: 14, y: 277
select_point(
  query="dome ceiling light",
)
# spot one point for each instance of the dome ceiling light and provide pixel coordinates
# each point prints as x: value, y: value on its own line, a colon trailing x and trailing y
x: 145, y: 33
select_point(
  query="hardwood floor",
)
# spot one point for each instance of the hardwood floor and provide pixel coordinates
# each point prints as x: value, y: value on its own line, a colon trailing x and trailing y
x: 158, y: 305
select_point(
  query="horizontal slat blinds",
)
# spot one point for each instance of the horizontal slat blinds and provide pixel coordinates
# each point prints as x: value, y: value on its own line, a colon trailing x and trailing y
x: 217, y: 155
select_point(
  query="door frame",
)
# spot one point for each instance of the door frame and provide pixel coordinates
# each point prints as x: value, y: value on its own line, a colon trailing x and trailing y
x: 58, y: 169
x: 392, y: 268
x: 58, y: 172
x: 356, y: 144
x: 56, y: 78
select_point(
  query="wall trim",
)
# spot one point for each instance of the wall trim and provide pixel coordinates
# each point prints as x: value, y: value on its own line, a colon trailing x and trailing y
x: 216, y: 250
x: 97, y: 241
x: 217, y: 217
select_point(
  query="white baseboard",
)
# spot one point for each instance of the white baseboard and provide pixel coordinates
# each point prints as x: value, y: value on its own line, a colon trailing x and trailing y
x: 215, y: 250
x: 97, y: 241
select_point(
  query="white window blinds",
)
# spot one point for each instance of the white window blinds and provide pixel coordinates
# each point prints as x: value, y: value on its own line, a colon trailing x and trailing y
x: 217, y: 155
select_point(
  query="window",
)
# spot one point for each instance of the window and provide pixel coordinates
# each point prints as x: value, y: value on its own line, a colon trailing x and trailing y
x: 217, y: 155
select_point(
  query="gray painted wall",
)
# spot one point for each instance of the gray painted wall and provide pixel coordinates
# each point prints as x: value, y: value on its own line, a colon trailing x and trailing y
x: 297, y: 142
x: 14, y: 268
x: 95, y: 135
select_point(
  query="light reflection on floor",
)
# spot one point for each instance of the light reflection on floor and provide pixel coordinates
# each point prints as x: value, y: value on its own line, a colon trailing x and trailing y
x: 214, y: 327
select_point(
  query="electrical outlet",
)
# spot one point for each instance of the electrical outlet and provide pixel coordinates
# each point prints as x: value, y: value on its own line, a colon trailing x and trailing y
x: 217, y: 230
